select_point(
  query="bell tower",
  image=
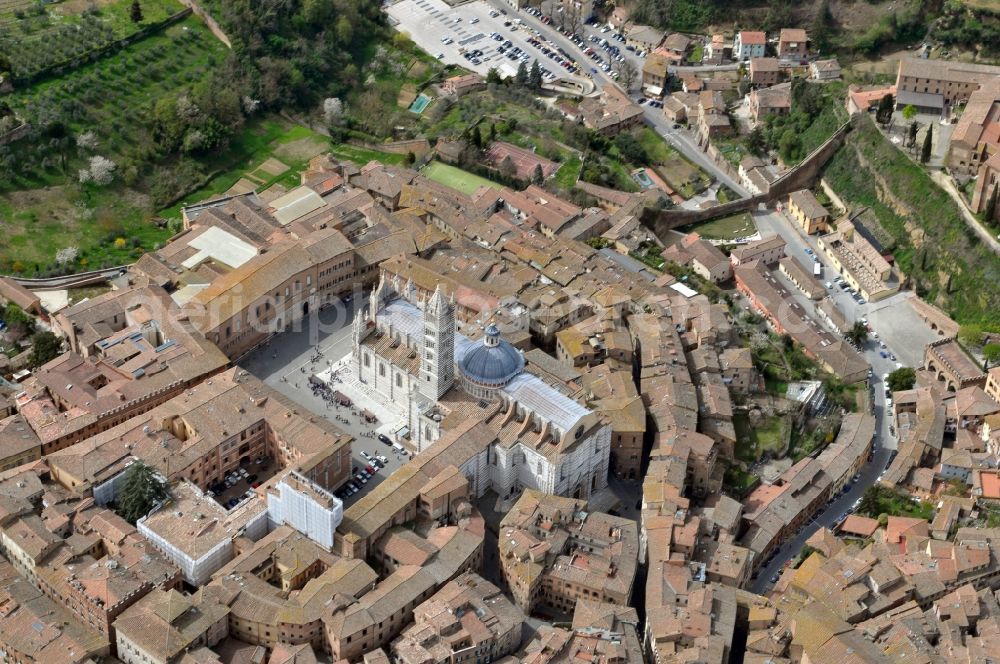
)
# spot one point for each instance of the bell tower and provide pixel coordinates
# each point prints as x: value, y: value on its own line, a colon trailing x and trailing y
x: 437, y: 361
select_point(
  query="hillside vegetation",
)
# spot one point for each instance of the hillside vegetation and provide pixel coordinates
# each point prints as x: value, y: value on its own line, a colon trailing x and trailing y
x: 947, y: 264
x: 117, y: 135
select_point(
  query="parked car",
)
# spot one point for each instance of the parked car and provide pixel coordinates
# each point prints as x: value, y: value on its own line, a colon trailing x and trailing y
x: 382, y: 438
x: 366, y: 455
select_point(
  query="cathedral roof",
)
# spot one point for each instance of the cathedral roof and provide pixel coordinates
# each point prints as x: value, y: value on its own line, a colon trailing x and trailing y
x: 492, y: 362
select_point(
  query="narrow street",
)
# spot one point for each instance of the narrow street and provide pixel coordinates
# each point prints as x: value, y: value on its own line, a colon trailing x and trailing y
x: 905, y: 335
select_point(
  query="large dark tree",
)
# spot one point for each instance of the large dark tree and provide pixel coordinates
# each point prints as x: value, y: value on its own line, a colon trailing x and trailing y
x: 883, y: 114
x: 45, y: 346
x: 521, y: 78
x: 901, y: 379
x: 535, y: 76
x: 135, y: 13
x: 925, y: 151
x: 819, y: 33
x: 858, y: 333
x: 142, y: 490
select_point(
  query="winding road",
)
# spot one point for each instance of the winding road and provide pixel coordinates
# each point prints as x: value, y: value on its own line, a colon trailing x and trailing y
x: 678, y: 139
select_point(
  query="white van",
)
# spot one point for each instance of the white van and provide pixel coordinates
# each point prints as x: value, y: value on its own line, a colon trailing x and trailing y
x: 398, y: 447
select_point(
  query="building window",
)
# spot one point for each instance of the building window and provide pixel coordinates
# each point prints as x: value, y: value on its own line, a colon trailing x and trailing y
x: 381, y: 370
x: 399, y: 380
x: 368, y: 361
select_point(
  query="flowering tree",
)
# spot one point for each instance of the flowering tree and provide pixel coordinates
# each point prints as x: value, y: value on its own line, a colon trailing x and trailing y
x: 66, y: 255
x: 250, y: 104
x: 87, y: 141
x: 333, y: 109
x: 101, y: 171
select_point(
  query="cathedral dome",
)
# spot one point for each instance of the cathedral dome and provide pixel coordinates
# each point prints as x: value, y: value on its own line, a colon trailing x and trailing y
x: 492, y: 363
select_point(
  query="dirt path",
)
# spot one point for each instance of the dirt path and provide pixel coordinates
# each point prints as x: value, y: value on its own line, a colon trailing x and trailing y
x: 971, y: 221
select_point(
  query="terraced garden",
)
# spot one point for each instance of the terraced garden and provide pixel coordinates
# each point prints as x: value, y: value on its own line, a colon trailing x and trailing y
x: 115, y: 98
x: 35, y: 37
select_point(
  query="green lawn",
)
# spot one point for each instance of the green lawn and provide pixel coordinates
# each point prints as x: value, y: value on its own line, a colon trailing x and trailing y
x: 880, y: 499
x: 362, y: 156
x: 726, y: 228
x: 683, y: 177
x: 568, y: 173
x: 753, y: 443
x: 456, y: 178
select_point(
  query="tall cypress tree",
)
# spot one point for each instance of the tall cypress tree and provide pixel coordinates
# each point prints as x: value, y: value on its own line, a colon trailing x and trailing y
x: 991, y: 205
x: 925, y: 152
x: 522, y: 74
x: 535, y: 76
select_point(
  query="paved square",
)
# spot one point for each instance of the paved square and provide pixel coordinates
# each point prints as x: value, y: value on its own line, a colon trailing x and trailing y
x: 290, y: 358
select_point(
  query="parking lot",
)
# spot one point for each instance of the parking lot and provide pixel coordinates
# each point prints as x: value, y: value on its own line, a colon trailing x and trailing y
x: 286, y: 363
x: 477, y: 30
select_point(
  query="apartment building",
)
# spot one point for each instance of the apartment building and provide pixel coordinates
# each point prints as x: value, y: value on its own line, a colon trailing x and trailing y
x: 165, y: 624
x: 793, y: 44
x: 766, y: 251
x: 934, y: 86
x: 198, y: 534
x: 306, y: 506
x: 38, y: 630
x: 808, y: 212
x: 765, y: 72
x: 202, y: 435
x: 775, y: 100
x: 749, y: 44
x: 611, y: 392
x: 703, y: 257
x: 552, y: 553
x: 469, y: 619
x: 786, y: 316
x: 131, y: 352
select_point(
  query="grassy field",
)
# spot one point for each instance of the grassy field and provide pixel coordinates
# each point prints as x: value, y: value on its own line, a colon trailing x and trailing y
x: 62, y: 33
x: 362, y: 156
x: 683, y: 177
x: 766, y: 438
x: 878, y: 500
x: 726, y: 228
x: 568, y: 173
x: 456, y: 178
